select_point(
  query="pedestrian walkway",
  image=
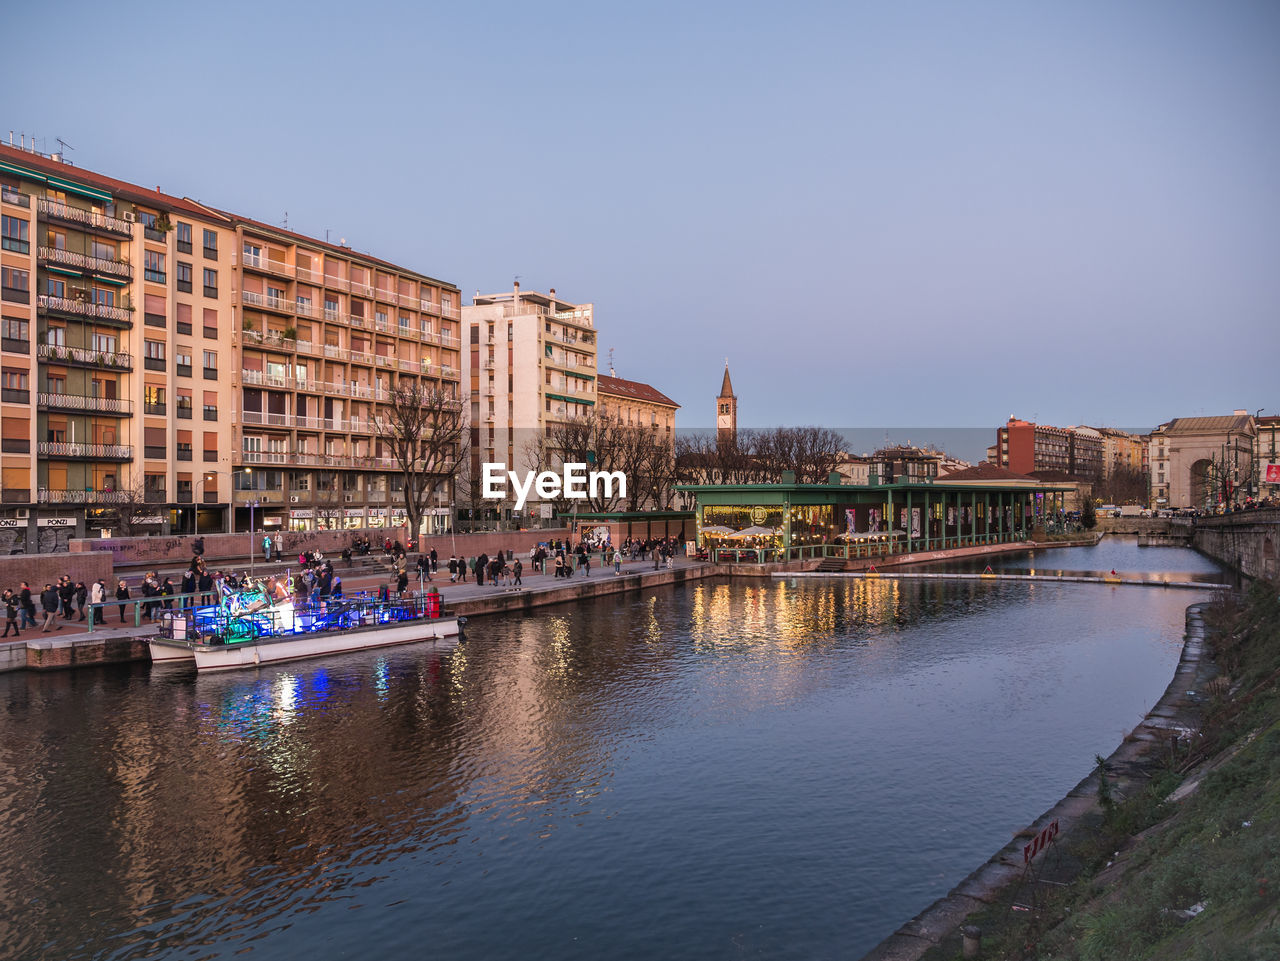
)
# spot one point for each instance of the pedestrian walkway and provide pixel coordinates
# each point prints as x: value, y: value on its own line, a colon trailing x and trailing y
x: 467, y: 598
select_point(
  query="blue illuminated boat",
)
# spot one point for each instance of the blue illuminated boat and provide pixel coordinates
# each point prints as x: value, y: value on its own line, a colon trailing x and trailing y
x: 263, y: 625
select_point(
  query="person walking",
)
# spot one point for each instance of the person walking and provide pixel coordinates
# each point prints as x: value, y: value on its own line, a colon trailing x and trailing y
x: 122, y: 594
x: 453, y: 568
x: 49, y: 602
x: 11, y: 605
x: 27, y: 605
x: 516, y: 570
x: 434, y: 568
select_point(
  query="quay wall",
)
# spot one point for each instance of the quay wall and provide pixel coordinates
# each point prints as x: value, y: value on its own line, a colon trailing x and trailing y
x: 41, y: 569
x: 1246, y: 541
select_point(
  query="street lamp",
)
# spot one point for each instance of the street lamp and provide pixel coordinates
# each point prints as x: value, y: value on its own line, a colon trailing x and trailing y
x: 253, y: 505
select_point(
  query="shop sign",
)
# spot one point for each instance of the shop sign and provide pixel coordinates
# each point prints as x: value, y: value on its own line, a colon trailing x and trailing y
x: 56, y: 522
x: 1272, y: 473
x: 11, y: 523
x: 351, y: 512
x: 304, y: 513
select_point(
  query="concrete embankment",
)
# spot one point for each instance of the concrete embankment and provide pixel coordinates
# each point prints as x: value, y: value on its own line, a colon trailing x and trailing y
x: 1004, y: 875
x: 110, y: 645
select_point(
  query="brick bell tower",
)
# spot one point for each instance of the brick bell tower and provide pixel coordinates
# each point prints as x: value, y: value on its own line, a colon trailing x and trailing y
x: 726, y: 411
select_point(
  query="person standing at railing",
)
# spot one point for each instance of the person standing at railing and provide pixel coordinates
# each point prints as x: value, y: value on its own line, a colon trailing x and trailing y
x: 122, y: 595
x: 266, y: 547
x: 97, y: 594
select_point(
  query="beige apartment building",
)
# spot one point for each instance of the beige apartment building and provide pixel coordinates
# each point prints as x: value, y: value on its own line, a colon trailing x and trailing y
x: 532, y: 365
x: 110, y: 295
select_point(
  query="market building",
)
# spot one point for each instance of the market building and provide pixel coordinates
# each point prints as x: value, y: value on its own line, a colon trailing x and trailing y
x: 788, y: 521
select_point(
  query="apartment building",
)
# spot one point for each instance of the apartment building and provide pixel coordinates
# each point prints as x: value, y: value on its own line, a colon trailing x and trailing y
x: 1122, y: 451
x: 1023, y: 447
x: 110, y: 294
x: 638, y: 405
x: 532, y: 365
x: 324, y: 337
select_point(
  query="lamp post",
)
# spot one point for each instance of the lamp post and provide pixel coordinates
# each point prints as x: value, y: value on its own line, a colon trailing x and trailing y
x: 253, y: 505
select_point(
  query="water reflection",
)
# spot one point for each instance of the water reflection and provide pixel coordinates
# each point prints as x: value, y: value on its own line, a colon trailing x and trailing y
x: 697, y: 773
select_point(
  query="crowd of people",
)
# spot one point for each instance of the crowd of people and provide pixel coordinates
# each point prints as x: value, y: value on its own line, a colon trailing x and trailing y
x: 315, y: 579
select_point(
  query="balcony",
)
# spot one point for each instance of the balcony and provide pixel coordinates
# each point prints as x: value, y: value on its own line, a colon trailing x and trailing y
x: 15, y: 395
x: 274, y: 338
x: 55, y: 210
x: 361, y: 290
x: 65, y: 451
x: 265, y: 380
x: 84, y: 402
x: 85, y: 263
x: 156, y: 409
x: 84, y: 357
x: 15, y: 495
x: 47, y: 496
x: 264, y: 457
x: 264, y: 265
x: 84, y: 308
x: 256, y: 418
x: 281, y: 305
x: 15, y: 346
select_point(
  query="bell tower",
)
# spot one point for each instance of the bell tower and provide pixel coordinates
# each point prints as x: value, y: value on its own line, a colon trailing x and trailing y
x: 726, y: 411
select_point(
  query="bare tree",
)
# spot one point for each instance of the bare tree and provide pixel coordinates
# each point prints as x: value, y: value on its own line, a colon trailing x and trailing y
x: 424, y: 428
x: 128, y: 509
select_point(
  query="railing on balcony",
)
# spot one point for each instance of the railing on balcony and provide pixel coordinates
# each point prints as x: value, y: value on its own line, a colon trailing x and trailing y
x: 84, y: 308
x: 264, y: 379
x: 83, y: 355
x: 89, y: 218
x: 363, y: 290
x: 265, y: 264
x: 103, y: 405
x: 97, y: 265
x: 265, y: 457
x: 46, y: 495
x: 93, y: 451
x: 255, y: 299
x: 274, y: 337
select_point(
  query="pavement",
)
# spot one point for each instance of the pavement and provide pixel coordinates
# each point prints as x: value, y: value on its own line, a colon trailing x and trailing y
x: 356, y: 577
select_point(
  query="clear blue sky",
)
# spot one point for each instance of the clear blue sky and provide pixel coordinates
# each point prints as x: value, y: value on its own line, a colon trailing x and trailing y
x: 881, y: 213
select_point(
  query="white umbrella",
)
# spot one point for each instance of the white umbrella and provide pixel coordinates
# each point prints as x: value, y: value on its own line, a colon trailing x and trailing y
x: 754, y: 532
x: 716, y: 530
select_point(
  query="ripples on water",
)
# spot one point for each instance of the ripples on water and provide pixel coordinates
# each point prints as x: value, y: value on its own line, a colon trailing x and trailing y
x: 714, y: 772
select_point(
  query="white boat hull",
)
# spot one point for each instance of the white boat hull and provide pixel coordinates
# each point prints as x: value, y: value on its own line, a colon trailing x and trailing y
x: 274, y: 650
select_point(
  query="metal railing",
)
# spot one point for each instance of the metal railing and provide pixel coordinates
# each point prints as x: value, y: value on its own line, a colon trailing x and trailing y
x: 90, y: 218
x: 83, y: 355
x: 48, y: 448
x: 84, y: 308
x: 97, y: 265
x: 106, y: 405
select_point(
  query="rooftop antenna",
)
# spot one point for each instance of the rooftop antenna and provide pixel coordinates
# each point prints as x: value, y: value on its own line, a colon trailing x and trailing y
x: 64, y: 145
x: 611, y: 373
x: 286, y: 220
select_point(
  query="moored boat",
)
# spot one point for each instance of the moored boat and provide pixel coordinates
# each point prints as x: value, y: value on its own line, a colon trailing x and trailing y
x: 261, y: 625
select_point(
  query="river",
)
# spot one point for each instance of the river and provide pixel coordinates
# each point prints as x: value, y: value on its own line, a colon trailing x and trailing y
x: 725, y: 770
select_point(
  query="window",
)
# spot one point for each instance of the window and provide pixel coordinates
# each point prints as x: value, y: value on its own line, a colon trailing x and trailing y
x: 13, y: 234
x: 184, y: 276
x: 14, y: 386
x: 183, y: 359
x: 103, y: 296
x: 184, y: 450
x: 55, y: 336
x: 210, y: 282
x: 183, y: 235
x: 381, y: 317
x: 330, y: 308
x: 210, y: 322
x: 154, y: 354
x: 57, y: 239
x: 184, y: 405
x: 15, y: 285
x: 154, y: 310
x: 15, y: 335
x: 153, y: 399
x: 55, y: 288
x: 184, y: 318
x: 210, y: 365
x: 102, y: 249
x: 153, y: 266
x: 211, y: 245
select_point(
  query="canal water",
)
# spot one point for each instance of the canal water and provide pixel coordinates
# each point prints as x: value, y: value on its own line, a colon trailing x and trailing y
x: 725, y: 770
